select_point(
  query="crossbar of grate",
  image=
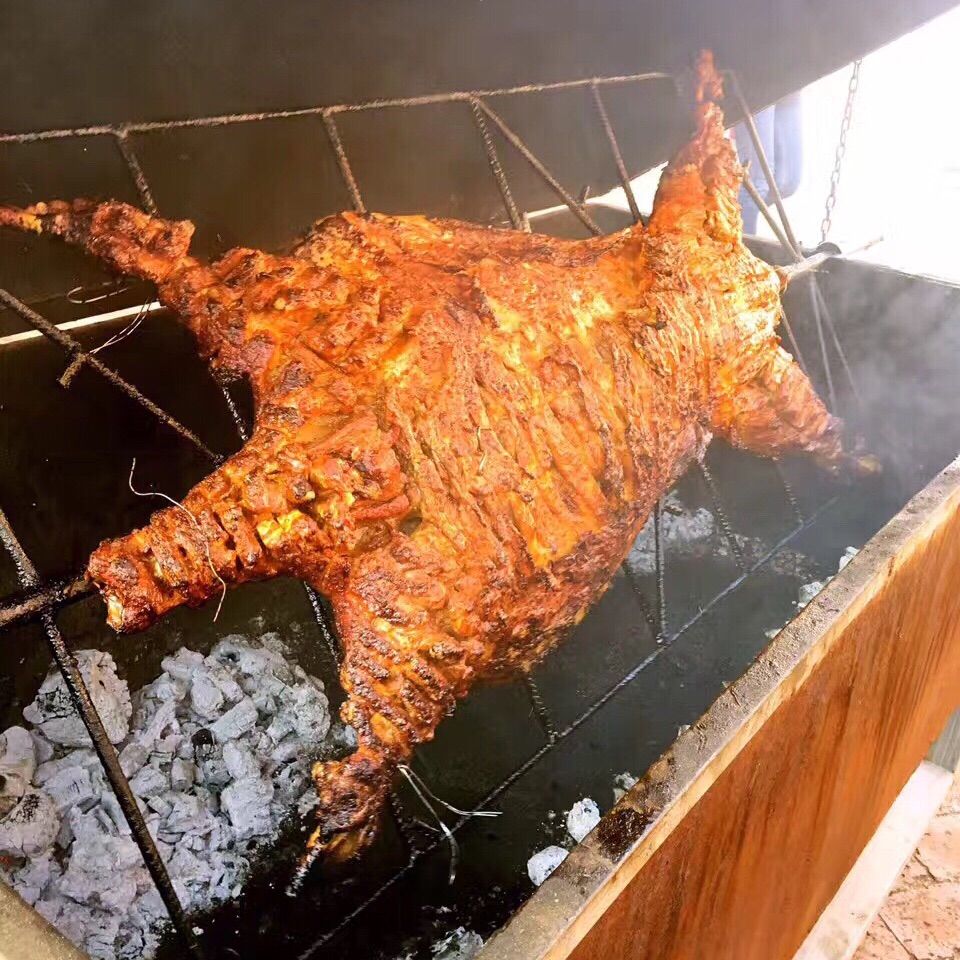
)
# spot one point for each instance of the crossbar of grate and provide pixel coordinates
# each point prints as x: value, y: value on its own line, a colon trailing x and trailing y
x: 228, y: 119
x: 82, y: 702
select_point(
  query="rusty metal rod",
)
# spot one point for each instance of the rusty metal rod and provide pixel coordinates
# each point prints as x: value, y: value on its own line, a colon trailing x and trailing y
x: 576, y: 208
x: 493, y: 160
x: 617, y: 154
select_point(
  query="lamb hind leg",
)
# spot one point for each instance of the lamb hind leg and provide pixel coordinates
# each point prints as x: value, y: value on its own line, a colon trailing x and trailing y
x: 402, y: 673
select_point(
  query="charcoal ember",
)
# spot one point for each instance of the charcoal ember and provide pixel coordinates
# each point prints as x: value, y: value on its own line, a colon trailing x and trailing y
x: 31, y: 827
x: 223, y: 678
x: 53, y: 713
x: 213, y: 773
x: 582, y: 817
x: 247, y: 804
x: 622, y: 783
x: 162, y: 720
x: 683, y: 529
x: 132, y: 757
x: 150, y: 781
x: 105, y: 870
x: 18, y: 760
x: 459, y: 944
x: 69, y: 786
x: 206, y: 698
x: 240, y: 761
x: 43, y: 748
x: 182, y: 664
x: 237, y: 721
x: 35, y: 876
x: 544, y: 862
x: 75, y: 758
x: 188, y: 814
x: 182, y: 774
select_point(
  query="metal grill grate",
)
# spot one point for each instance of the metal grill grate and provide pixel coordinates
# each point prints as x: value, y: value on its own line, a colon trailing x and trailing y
x: 44, y: 600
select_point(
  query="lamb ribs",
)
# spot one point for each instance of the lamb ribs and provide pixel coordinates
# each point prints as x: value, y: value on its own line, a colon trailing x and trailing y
x: 459, y: 431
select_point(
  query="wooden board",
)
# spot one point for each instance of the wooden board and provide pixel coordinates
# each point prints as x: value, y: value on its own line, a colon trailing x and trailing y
x: 738, y: 838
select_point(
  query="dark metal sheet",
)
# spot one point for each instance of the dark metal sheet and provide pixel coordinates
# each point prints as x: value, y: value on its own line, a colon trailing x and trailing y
x: 107, y: 62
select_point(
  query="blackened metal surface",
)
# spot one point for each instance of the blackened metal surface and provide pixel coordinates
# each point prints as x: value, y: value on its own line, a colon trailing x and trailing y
x: 65, y: 65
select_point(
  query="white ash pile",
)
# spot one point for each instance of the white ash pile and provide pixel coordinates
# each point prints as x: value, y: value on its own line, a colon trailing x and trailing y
x: 218, y: 751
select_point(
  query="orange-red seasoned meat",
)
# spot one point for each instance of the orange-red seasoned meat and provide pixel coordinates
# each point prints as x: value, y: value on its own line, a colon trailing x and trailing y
x: 459, y: 430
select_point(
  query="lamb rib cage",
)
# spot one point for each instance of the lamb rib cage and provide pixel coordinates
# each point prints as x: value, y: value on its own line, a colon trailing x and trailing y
x: 45, y: 599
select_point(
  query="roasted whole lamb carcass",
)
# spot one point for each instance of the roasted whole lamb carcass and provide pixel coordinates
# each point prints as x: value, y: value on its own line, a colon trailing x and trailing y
x: 460, y: 431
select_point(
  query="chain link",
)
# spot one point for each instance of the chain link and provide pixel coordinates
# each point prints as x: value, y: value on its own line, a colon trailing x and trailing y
x: 827, y: 221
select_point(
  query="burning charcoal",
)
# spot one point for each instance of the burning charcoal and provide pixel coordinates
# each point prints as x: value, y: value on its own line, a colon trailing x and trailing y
x: 111, y: 807
x: 160, y: 722
x: 104, y: 871
x: 544, y: 862
x: 52, y: 710
x: 206, y: 698
x: 223, y: 679
x: 69, y: 786
x: 180, y: 762
x: 189, y: 868
x: 132, y: 757
x: 622, y: 782
x: 583, y: 816
x: 168, y: 746
x: 75, y: 758
x: 30, y: 828
x: 311, y: 713
x: 182, y: 664
x: 848, y: 555
x: 182, y: 774
x: 188, y: 814
x: 212, y: 772
x: 287, y: 749
x: 459, y: 944
x: 33, y: 879
x: 237, y: 721
x: 168, y: 689
x: 247, y: 803
x: 808, y: 591
x: 18, y: 759
x: 43, y: 748
x: 240, y: 762
x: 149, y: 781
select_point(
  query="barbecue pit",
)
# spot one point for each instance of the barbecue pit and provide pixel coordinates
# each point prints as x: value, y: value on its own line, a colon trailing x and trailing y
x: 680, y: 623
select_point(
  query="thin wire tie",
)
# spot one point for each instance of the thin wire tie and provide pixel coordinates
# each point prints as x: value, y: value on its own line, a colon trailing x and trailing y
x: 423, y: 792
x: 129, y: 329
x: 194, y: 520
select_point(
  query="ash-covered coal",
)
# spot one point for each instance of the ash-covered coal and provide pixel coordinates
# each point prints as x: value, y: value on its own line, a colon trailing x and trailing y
x: 682, y: 528
x: 218, y: 750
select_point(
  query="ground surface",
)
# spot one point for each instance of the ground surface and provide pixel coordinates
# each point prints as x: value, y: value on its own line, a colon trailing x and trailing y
x: 921, y: 918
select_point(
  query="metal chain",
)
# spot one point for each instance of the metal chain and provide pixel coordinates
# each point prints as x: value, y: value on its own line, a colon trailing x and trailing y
x: 827, y: 222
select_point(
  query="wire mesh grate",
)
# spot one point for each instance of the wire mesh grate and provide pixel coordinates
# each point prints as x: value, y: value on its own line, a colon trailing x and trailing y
x: 44, y: 600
